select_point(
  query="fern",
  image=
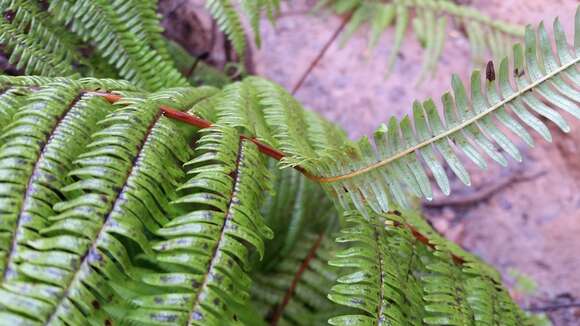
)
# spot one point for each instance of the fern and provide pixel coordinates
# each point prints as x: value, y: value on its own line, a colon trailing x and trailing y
x: 429, y: 20
x: 401, y: 279
x: 294, y: 292
x: 230, y: 22
x: 36, y: 44
x: 125, y: 34
x: 470, y: 123
x: 208, y: 242
x: 121, y: 205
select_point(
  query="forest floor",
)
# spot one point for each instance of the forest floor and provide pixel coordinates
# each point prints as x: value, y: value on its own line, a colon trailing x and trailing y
x: 524, y: 219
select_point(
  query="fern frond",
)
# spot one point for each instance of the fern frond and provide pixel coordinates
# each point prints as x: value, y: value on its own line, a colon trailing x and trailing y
x: 429, y: 20
x: 471, y: 123
x: 126, y: 34
x: 399, y: 276
x: 35, y: 148
x: 230, y: 22
x: 36, y: 45
x: 294, y: 291
x: 208, y: 243
x: 62, y: 257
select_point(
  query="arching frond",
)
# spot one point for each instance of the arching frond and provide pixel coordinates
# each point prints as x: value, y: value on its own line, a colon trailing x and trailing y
x: 38, y: 147
x: 230, y: 22
x: 473, y: 124
x: 208, y: 242
x: 35, y: 44
x: 106, y: 23
x: 429, y: 20
x: 402, y: 273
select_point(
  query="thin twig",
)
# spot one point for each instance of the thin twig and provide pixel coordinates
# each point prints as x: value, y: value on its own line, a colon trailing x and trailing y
x: 325, y: 48
x: 207, y: 54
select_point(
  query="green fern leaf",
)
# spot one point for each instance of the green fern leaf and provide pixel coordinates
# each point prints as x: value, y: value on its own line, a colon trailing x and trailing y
x: 403, y: 273
x: 404, y: 150
x: 294, y: 291
x: 62, y: 264
x: 126, y: 34
x: 35, y: 43
x: 209, y: 242
x: 230, y: 22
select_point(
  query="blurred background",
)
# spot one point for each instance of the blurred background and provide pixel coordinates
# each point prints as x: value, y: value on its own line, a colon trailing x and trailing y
x: 524, y: 220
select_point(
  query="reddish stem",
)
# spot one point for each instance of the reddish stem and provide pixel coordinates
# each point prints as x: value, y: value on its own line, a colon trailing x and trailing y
x: 277, y: 155
x: 202, y: 123
x: 290, y: 292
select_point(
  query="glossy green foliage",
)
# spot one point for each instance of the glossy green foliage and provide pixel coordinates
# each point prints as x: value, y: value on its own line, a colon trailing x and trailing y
x: 268, y: 112
x: 109, y: 216
x: 126, y: 34
x: 208, y: 242
x: 429, y: 20
x: 82, y: 187
x: 475, y: 123
x: 115, y: 214
x: 393, y: 278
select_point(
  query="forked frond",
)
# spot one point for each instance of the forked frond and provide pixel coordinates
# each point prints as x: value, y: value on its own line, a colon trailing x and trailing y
x: 429, y: 20
x: 209, y: 242
x: 472, y: 124
x: 401, y: 273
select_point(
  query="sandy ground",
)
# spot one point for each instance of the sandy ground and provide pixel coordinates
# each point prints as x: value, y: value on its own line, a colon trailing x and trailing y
x: 530, y: 225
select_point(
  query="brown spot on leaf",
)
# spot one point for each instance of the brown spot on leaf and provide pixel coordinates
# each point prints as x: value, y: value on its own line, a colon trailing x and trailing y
x: 490, y: 71
x: 96, y: 304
